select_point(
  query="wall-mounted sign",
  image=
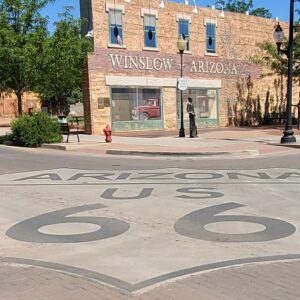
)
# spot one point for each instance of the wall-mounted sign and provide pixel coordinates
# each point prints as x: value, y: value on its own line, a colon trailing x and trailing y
x: 182, y: 84
x: 103, y: 102
x: 135, y: 63
x: 146, y: 63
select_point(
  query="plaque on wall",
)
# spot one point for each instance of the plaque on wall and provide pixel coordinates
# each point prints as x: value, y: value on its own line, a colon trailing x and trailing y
x: 103, y: 102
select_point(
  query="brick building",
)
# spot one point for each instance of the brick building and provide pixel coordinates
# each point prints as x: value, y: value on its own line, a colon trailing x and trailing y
x: 9, y: 104
x: 131, y: 77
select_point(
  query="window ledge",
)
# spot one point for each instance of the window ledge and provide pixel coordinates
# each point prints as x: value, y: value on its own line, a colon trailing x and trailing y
x: 150, y: 49
x: 211, y: 54
x: 116, y: 46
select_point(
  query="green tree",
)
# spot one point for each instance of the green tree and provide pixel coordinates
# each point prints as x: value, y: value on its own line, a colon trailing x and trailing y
x: 22, y: 33
x: 242, y: 6
x: 269, y: 57
x: 276, y: 62
x: 63, y: 57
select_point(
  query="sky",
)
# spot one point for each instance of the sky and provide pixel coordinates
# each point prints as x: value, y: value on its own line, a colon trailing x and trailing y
x: 278, y: 8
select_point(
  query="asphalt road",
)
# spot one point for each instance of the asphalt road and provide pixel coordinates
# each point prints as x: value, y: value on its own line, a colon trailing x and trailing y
x: 77, y: 226
x: 14, y: 159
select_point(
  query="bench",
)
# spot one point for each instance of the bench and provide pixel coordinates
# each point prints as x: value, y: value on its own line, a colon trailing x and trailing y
x: 67, y: 129
x: 278, y: 118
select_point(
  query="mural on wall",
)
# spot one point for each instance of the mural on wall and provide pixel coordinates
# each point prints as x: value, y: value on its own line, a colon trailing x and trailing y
x: 247, y: 108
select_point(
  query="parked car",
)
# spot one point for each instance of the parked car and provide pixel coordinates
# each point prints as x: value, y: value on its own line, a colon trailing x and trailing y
x: 150, y: 110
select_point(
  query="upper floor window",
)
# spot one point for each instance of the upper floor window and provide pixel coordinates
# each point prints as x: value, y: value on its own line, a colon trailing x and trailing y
x: 115, y: 26
x: 184, y: 31
x: 150, y: 30
x: 211, y: 37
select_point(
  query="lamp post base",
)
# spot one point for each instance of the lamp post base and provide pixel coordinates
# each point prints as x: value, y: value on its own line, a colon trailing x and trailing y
x: 288, y: 137
x: 181, y: 132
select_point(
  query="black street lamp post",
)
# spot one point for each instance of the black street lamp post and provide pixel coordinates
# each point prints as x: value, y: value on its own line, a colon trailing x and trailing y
x: 288, y: 133
x: 181, y: 45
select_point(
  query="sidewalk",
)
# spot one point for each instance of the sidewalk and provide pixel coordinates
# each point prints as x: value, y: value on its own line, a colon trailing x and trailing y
x: 247, y: 141
x: 210, y: 142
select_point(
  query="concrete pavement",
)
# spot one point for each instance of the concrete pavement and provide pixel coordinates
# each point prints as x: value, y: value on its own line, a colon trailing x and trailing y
x: 150, y: 234
x: 230, y: 142
x: 210, y: 142
x: 154, y: 234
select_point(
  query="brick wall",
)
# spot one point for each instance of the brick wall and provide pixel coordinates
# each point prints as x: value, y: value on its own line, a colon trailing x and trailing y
x: 243, y: 94
x: 9, y: 104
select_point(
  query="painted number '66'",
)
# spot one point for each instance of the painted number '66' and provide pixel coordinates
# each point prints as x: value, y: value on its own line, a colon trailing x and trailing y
x: 28, y: 230
x: 193, y: 225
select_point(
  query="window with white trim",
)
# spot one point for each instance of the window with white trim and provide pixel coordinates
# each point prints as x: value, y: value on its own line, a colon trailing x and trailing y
x: 115, y: 26
x: 150, y: 31
x: 184, y: 31
x: 211, y: 37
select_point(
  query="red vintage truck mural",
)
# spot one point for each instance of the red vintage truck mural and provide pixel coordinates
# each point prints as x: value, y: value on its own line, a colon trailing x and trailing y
x: 150, y: 110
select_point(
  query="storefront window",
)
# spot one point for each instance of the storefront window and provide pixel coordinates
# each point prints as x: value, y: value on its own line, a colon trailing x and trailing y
x: 135, y: 104
x: 205, y: 103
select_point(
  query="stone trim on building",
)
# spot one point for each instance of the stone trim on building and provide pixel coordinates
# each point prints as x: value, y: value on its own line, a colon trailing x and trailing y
x: 151, y: 12
x: 159, y: 82
x: 180, y: 16
x: 114, y: 6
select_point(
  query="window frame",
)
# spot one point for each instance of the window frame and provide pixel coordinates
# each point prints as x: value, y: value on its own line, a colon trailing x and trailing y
x: 208, y: 51
x: 112, y: 7
x: 187, y: 21
x: 149, y: 15
x: 112, y: 26
x: 150, y: 12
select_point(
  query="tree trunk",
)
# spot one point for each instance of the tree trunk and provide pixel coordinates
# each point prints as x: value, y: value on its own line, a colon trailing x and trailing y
x: 63, y: 106
x: 20, y: 103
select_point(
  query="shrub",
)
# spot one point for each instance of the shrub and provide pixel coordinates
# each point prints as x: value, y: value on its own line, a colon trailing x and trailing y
x: 34, y: 130
x: 6, y: 138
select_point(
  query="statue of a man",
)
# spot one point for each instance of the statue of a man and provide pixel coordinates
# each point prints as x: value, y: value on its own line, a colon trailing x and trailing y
x: 190, y: 109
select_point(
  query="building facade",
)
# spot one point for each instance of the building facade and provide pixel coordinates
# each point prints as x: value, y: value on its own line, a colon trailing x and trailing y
x: 9, y: 104
x: 131, y: 78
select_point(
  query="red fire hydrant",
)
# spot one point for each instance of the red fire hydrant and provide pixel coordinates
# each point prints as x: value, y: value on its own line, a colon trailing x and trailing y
x: 107, y: 132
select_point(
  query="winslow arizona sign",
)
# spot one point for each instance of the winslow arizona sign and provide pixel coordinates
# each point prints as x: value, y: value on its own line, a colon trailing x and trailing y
x: 162, y: 64
x: 158, y: 64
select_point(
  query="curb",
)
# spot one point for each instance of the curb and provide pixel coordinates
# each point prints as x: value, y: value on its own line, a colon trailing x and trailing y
x: 184, y: 154
x: 292, y: 145
x: 68, y: 147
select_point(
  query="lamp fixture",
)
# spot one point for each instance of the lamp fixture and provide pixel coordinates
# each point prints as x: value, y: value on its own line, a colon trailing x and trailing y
x: 181, y: 44
x: 90, y: 34
x: 288, y: 133
x: 128, y: 1
x: 278, y: 37
x: 222, y: 15
x: 195, y: 10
